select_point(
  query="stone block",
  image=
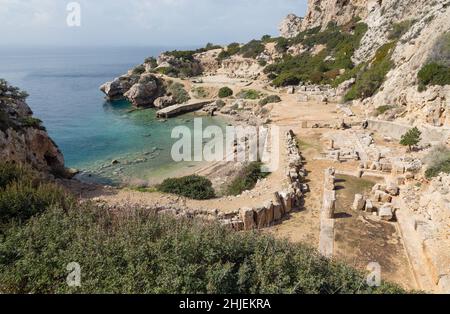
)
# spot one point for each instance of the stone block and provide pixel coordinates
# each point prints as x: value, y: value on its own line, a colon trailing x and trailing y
x: 359, y: 202
x: 392, y: 188
x: 386, y: 212
x: 247, y: 215
x: 369, y: 206
x: 261, y: 217
x: 277, y: 212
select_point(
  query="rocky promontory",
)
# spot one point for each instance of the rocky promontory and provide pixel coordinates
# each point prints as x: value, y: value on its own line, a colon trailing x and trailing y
x: 23, y: 139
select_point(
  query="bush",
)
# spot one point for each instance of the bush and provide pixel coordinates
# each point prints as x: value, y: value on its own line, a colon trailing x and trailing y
x: 194, y: 187
x: 140, y: 69
x: 22, y: 199
x: 246, y: 179
x: 32, y: 122
x: 200, y: 92
x: 10, y: 172
x: 179, y: 94
x: 252, y: 49
x: 340, y: 46
x: 399, y: 29
x: 231, y: 50
x: 22, y: 194
x: 411, y: 138
x: 433, y: 74
x: 441, y: 50
x: 225, y: 92
x: 269, y: 100
x: 437, y: 161
x: 382, y: 109
x: 151, y: 61
x: 143, y: 253
x: 249, y: 94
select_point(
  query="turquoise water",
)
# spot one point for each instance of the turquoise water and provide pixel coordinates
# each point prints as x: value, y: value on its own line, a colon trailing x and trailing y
x: 63, y: 86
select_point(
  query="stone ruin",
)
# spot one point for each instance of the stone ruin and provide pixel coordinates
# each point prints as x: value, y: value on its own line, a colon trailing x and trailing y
x: 285, y: 201
x: 380, y: 200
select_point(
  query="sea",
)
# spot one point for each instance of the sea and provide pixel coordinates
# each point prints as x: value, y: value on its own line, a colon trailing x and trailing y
x: 63, y: 84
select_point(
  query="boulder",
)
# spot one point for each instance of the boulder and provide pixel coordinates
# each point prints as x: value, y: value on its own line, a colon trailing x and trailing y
x: 144, y: 93
x: 163, y: 102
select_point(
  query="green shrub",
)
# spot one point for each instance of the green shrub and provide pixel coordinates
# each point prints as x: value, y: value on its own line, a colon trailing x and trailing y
x: 231, y: 50
x: 194, y: 187
x: 23, y: 194
x: 371, y: 77
x: 32, y: 123
x: 441, y: 50
x: 382, y: 109
x: 143, y: 253
x: 169, y: 71
x: 433, y: 74
x: 270, y: 100
x: 282, y: 45
x: 437, y: 161
x: 249, y: 94
x: 225, y: 92
x: 246, y: 179
x: 10, y: 172
x: 140, y: 69
x: 399, y: 29
x: 21, y: 200
x: 252, y: 49
x: 411, y: 138
x: 340, y: 45
x: 179, y: 94
x: 152, y: 61
x: 200, y: 92
x: 11, y: 92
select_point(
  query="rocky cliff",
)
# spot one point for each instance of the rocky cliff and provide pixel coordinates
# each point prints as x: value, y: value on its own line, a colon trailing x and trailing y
x: 22, y: 137
x: 416, y: 26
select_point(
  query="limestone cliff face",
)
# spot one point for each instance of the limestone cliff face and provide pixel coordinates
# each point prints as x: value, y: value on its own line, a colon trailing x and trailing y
x: 22, y: 138
x: 321, y: 12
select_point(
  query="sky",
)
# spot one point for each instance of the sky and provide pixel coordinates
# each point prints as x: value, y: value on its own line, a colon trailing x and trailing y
x: 141, y: 22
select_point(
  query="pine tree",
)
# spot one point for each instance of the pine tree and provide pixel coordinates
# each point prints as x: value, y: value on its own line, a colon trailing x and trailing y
x: 411, y: 138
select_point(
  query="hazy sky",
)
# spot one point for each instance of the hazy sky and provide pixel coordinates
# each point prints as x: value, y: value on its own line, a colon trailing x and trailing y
x: 142, y: 22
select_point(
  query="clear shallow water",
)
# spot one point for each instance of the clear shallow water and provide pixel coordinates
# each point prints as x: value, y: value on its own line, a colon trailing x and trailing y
x: 63, y: 84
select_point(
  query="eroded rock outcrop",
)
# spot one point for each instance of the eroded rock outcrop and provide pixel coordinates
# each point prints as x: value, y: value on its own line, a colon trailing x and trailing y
x: 290, y: 26
x: 22, y: 138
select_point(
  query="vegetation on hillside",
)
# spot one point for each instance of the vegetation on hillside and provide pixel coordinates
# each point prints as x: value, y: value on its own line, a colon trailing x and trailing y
x: 325, y: 66
x: 179, y: 94
x: 249, y: 94
x: 246, y: 179
x: 23, y: 194
x: 269, y: 100
x: 371, y: 76
x: 437, y: 70
x: 44, y: 230
x: 437, y: 161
